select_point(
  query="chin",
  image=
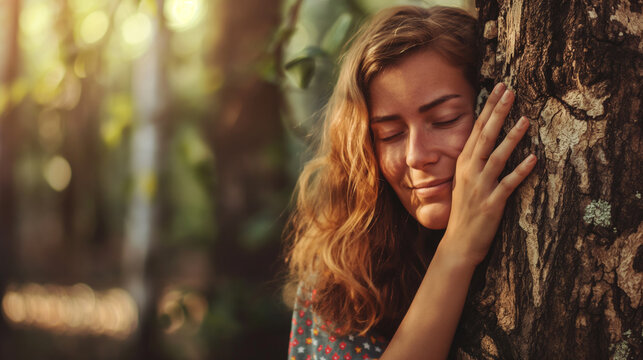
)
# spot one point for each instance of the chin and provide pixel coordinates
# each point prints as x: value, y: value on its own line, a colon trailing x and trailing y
x: 433, y: 216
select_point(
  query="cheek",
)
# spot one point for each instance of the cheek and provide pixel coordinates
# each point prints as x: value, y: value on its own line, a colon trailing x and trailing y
x: 392, y: 164
x: 458, y: 138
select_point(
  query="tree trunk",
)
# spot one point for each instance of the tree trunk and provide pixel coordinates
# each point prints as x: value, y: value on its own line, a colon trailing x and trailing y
x: 149, y: 92
x: 564, y: 276
x: 248, y: 126
x: 80, y: 210
x: 246, y: 135
x: 8, y: 141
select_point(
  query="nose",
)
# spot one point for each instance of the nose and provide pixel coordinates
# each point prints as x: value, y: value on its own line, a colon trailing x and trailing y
x: 421, y: 148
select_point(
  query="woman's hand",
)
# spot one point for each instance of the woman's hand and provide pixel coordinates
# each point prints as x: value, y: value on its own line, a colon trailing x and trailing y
x: 478, y: 198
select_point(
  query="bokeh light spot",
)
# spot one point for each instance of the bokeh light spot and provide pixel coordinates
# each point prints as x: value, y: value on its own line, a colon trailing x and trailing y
x: 85, y: 6
x: 94, y: 27
x: 72, y: 310
x: 19, y: 89
x: 80, y: 68
x: 57, y: 173
x: 47, y: 87
x: 13, y: 306
x: 136, y: 29
x: 36, y: 18
x: 183, y: 14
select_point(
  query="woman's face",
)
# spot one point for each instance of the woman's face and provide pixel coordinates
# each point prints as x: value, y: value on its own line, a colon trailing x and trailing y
x: 421, y: 114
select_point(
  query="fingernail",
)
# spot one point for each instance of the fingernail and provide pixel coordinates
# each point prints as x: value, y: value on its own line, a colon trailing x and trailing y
x: 506, y: 96
x: 499, y: 88
x: 531, y: 158
x: 522, y: 123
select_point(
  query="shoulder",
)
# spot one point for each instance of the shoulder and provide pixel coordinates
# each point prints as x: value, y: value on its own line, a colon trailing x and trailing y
x: 310, y: 337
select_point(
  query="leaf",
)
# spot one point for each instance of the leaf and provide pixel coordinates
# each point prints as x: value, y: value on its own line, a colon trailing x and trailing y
x: 266, y: 69
x: 334, y: 38
x: 302, y: 68
x: 193, y: 149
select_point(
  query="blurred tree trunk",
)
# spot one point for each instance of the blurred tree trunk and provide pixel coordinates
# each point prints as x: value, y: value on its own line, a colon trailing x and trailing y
x: 149, y: 92
x: 247, y: 127
x: 82, y: 212
x: 247, y: 138
x: 564, y: 277
x: 8, y: 149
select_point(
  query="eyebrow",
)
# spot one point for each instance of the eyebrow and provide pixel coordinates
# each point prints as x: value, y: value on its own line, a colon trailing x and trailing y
x: 421, y: 109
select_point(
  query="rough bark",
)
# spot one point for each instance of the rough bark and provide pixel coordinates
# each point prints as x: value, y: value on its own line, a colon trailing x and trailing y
x: 564, y: 276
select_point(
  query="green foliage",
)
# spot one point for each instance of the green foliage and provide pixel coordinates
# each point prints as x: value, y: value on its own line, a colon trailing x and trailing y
x: 191, y: 162
x: 336, y: 36
x: 312, y: 55
x: 302, y: 67
x: 259, y: 230
x: 241, y: 310
x: 119, y: 112
x: 221, y: 323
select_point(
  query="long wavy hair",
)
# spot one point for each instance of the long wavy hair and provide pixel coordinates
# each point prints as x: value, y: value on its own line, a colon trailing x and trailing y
x: 350, y: 242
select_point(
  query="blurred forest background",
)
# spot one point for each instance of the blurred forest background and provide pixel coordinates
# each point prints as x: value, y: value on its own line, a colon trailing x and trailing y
x: 148, y: 151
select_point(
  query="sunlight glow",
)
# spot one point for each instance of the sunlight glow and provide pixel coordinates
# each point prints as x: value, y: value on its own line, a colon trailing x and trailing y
x: 80, y: 67
x: 57, y: 172
x: 136, y: 29
x: 136, y: 33
x: 36, y: 18
x: 85, y: 6
x: 47, y: 85
x: 183, y: 14
x: 94, y: 27
x: 73, y: 310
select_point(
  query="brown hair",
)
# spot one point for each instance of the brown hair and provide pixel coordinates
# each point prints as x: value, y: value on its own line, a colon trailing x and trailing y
x: 349, y: 237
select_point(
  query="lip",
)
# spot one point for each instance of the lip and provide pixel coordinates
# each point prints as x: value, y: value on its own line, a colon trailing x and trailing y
x: 432, y: 188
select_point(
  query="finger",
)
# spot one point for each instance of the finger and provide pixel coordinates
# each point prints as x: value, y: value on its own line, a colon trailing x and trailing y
x: 491, y: 102
x: 510, y: 182
x: 498, y: 158
x: 489, y: 134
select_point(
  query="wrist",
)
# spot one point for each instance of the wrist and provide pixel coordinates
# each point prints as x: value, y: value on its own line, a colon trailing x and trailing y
x: 456, y: 249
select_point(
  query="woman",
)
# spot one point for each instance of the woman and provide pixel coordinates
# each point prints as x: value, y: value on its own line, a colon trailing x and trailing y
x: 403, y: 198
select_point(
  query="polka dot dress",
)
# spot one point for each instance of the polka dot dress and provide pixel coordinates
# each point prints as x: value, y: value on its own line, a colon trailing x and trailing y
x: 311, y: 340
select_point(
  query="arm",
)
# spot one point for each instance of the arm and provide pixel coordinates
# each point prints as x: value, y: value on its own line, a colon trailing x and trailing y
x: 428, y: 327
x: 478, y: 201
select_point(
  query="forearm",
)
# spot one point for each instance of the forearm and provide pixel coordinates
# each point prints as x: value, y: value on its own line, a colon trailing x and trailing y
x: 427, y: 329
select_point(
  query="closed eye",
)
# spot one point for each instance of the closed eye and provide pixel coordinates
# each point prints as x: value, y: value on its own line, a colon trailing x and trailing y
x: 391, y: 137
x: 449, y: 122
